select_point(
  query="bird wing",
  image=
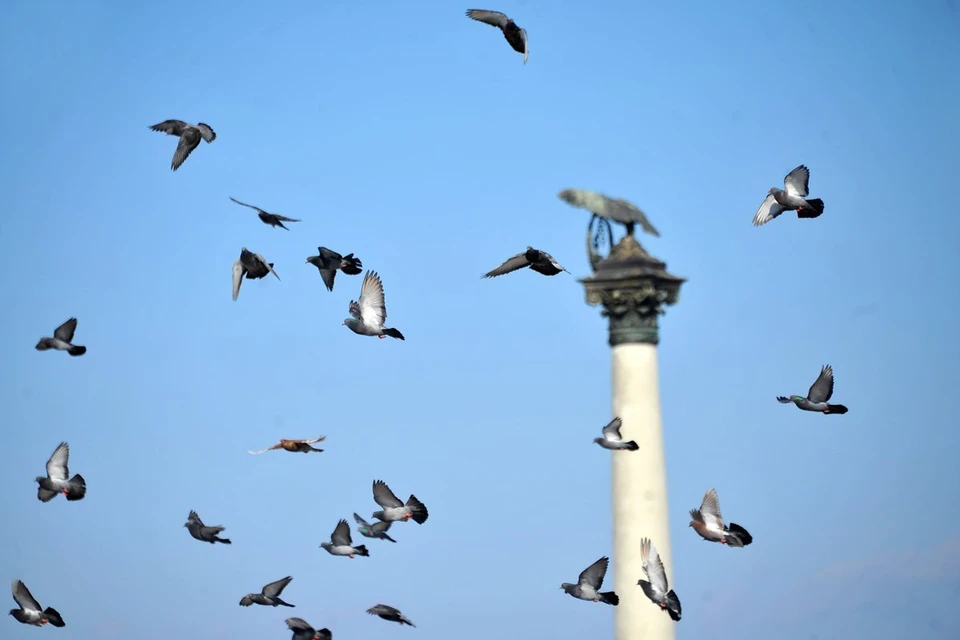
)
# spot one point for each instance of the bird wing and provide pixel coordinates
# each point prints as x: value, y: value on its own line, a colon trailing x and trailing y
x: 361, y: 521
x: 822, y: 389
x: 65, y: 331
x: 384, y: 497
x: 518, y: 261
x: 797, y: 182
x: 373, y: 306
x: 619, y: 210
x: 492, y: 18
x: 195, y: 519
x: 526, y: 47
x: 593, y: 575
x: 769, y: 209
x: 244, y: 204
x: 710, y: 509
x: 189, y: 140
x: 299, y: 624
x: 276, y: 588
x: 206, y: 131
x: 329, y: 254
x: 176, y: 127
x: 383, y: 609
x: 310, y: 440
x: 237, y: 277
x: 341, y: 535
x: 380, y: 527
x: 285, y: 218
x: 328, y: 276
x: 612, y: 431
x: 266, y: 265
x: 24, y: 598
x: 276, y: 446
x: 57, y: 464
x: 553, y: 261
x: 653, y: 567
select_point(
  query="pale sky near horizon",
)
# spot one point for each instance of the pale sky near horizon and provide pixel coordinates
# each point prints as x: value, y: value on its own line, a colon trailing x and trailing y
x: 418, y: 140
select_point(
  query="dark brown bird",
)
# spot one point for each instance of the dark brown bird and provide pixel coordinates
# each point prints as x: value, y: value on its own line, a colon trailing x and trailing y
x: 272, y: 219
x: 329, y: 262
x: 190, y: 136
x: 294, y: 446
x: 516, y: 36
x: 539, y: 261
x: 708, y: 523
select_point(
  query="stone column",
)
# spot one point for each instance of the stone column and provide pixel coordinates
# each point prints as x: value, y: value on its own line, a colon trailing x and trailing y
x: 634, y: 287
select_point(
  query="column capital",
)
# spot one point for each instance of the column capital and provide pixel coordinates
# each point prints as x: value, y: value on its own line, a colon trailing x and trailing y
x: 634, y: 288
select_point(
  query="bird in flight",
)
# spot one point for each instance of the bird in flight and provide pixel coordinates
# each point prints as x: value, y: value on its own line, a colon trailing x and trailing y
x: 272, y: 219
x: 56, y: 479
x: 820, y: 392
x: 616, y: 209
x: 269, y: 596
x: 793, y: 196
x: 202, y: 532
x: 612, y: 440
x: 708, y: 523
x: 62, y: 339
x: 392, y: 614
x: 377, y: 530
x: 253, y: 266
x: 328, y: 262
x: 295, y: 446
x: 341, y: 543
x: 30, y: 611
x: 655, y: 586
x: 303, y: 631
x: 393, y: 509
x: 516, y: 37
x: 589, y: 583
x: 540, y: 261
x: 190, y: 136
x: 370, y: 313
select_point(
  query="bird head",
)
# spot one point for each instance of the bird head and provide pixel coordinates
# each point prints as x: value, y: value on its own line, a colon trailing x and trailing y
x: 598, y: 440
x: 566, y: 586
x: 773, y: 191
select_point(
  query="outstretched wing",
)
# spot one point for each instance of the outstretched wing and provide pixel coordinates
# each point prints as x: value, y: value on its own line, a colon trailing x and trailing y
x: 173, y: 127
x: 612, y: 431
x: 57, y: 464
x: 276, y: 446
x: 237, y: 277
x: 492, y: 18
x: 373, y: 306
x: 276, y: 588
x: 710, y: 509
x: 384, y: 497
x: 552, y: 261
x: 299, y: 624
x: 797, y: 182
x: 617, y: 209
x: 769, y: 209
x: 653, y: 567
x: 593, y: 575
x: 381, y: 527
x: 65, y: 331
x: 189, y: 140
x: 822, y: 389
x: 361, y: 521
x: 341, y: 535
x: 244, y: 204
x: 285, y: 218
x: 266, y: 265
x: 518, y: 261
x: 195, y: 519
x: 23, y: 597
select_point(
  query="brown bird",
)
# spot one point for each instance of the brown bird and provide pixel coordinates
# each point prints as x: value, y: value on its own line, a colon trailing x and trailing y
x: 293, y: 446
x: 708, y: 523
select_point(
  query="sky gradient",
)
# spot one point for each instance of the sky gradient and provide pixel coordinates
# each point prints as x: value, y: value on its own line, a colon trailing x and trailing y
x: 418, y: 140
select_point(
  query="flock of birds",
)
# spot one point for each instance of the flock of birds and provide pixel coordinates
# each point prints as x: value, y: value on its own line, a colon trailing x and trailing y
x: 367, y: 318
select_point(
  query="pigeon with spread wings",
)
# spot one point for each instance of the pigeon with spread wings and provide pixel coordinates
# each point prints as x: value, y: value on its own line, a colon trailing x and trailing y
x: 62, y: 339
x: 393, y: 509
x: 190, y: 136
x: 793, y: 196
x: 30, y: 611
x: 253, y: 266
x: 56, y: 479
x: 370, y: 313
x: 613, y: 440
x: 303, y: 631
x: 817, y: 397
x: 295, y: 446
x: 540, y: 261
x: 515, y: 36
x: 328, y: 262
x: 709, y: 525
x: 389, y: 613
x: 272, y: 219
x: 589, y: 583
x: 378, y: 530
x: 269, y: 596
x: 341, y: 543
x: 202, y: 532
x: 655, y: 586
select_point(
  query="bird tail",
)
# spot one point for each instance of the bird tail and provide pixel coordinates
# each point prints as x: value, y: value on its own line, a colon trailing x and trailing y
x: 739, y: 534
x: 609, y: 597
x: 631, y: 446
x: 836, y: 408
x: 77, y: 351
x: 418, y: 509
x: 284, y: 604
x: 312, y: 448
x: 53, y: 617
x: 393, y: 333
x: 350, y: 265
x: 813, y: 209
x: 386, y: 537
x: 222, y: 540
x: 673, y: 606
x: 76, y: 487
x: 362, y: 550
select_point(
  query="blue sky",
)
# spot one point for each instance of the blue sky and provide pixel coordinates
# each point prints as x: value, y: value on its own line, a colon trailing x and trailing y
x: 417, y: 139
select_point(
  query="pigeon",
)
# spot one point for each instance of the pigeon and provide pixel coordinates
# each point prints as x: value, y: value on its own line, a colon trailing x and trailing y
x: 269, y: 596
x: 341, y: 544
x: 516, y: 36
x: 612, y: 440
x: 295, y: 446
x: 616, y: 209
x: 30, y: 611
x: 589, y: 583
x: 328, y: 262
x: 370, y: 313
x: 60, y: 341
x: 189, y: 135
x: 539, y: 261
x: 818, y: 395
x: 272, y: 219
x: 389, y: 613
x: 56, y: 481
x: 656, y: 588
x: 793, y: 196
x: 253, y: 265
x: 202, y: 532
x: 303, y: 631
x: 393, y: 509
x: 377, y: 530
x: 708, y: 523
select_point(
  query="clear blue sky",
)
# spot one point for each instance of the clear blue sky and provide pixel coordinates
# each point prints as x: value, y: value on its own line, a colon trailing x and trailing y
x: 417, y: 139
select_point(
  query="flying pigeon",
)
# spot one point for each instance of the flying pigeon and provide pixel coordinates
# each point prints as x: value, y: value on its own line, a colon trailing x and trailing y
x: 793, y: 196
x: 341, y: 544
x: 393, y: 509
x: 303, y: 631
x: 656, y: 588
x: 269, y: 596
x: 328, y: 262
x: 56, y: 481
x: 389, y: 613
x: 377, y: 530
x: 818, y: 395
x: 539, y: 261
x: 708, y: 523
x: 202, y: 532
x: 616, y: 209
x: 60, y: 341
x: 612, y: 440
x: 370, y: 313
x: 516, y: 36
x: 253, y: 266
x: 30, y: 611
x: 189, y: 135
x: 589, y: 583
x: 295, y: 446
x: 272, y: 219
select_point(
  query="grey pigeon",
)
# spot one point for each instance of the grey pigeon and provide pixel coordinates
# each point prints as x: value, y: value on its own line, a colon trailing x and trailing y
x: 303, y: 631
x: 612, y: 440
x: 516, y: 36
x: 202, y: 532
x: 56, y: 480
x: 341, y: 543
x: 820, y: 392
x: 269, y: 596
x: 589, y: 583
x: 393, y: 509
x: 792, y: 196
x: 30, y: 611
x: 329, y: 262
x: 616, y: 209
x: 377, y: 530
x: 708, y: 523
x: 253, y: 266
x: 370, y: 313
x: 539, y: 261
x: 293, y: 446
x: 190, y: 136
x: 272, y: 219
x: 389, y: 613
x: 62, y: 338
x: 657, y: 589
